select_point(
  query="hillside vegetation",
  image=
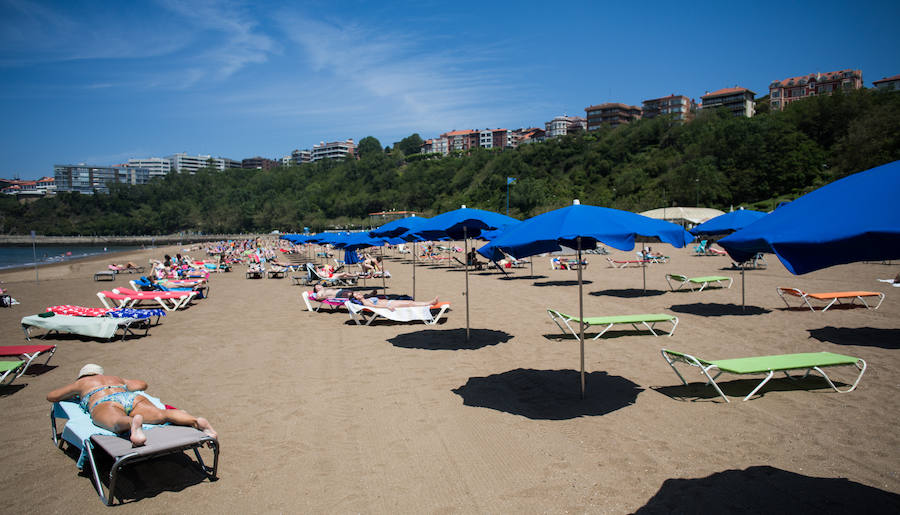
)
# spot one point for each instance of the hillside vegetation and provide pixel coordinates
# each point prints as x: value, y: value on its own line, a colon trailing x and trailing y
x: 717, y: 160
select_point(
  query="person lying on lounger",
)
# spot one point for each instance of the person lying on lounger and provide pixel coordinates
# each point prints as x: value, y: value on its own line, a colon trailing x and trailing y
x: 328, y: 271
x: 321, y: 293
x: 118, y: 405
x: 126, y: 266
x: 392, y: 304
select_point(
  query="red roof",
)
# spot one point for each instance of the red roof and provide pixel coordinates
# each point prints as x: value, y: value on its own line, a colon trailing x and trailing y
x: 887, y: 79
x: 727, y: 91
x: 457, y: 133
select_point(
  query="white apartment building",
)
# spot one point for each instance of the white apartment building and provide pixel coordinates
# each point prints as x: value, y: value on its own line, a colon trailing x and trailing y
x: 333, y: 150
x: 183, y: 163
x: 157, y: 166
x: 301, y: 156
x: 486, y: 138
x: 562, y: 125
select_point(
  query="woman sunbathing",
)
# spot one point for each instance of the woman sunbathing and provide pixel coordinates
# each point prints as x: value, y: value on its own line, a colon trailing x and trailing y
x: 119, y: 405
x: 392, y: 304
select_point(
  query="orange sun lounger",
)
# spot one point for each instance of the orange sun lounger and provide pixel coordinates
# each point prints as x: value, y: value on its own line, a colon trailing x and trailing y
x: 830, y: 297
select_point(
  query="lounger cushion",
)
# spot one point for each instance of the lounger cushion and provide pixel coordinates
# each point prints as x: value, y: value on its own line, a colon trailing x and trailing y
x: 842, y: 294
x: 96, y: 327
x: 765, y: 364
x: 18, y: 350
x: 6, y: 366
x: 626, y: 319
x: 707, y: 279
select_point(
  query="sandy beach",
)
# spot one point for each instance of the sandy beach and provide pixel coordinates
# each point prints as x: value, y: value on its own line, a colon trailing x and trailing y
x: 317, y: 415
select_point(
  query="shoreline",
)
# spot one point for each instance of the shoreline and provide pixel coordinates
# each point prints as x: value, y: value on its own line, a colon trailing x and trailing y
x: 18, y: 240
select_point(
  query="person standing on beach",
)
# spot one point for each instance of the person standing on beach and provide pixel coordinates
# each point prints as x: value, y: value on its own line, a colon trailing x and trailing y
x: 119, y: 405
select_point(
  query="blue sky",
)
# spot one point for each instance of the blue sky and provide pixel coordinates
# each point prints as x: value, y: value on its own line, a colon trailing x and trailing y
x: 100, y: 82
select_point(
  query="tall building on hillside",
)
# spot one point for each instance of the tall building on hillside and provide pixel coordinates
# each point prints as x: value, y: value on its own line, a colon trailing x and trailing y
x: 333, y: 150
x: 783, y: 92
x: 183, y: 163
x: 890, y: 83
x: 738, y: 100
x: 158, y: 166
x: 527, y: 135
x: 461, y: 140
x: 436, y: 146
x: 84, y: 178
x: 258, y: 163
x: 612, y: 114
x: 301, y: 156
x: 562, y: 125
x: 679, y: 107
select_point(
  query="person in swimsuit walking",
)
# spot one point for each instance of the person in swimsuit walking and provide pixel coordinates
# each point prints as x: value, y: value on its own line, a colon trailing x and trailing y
x: 119, y: 405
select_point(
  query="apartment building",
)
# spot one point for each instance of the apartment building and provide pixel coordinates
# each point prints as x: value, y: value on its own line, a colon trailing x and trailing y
x: 301, y: 156
x: 39, y: 188
x: 527, y: 135
x: 562, y: 125
x: 738, y: 100
x: 783, y: 92
x: 437, y: 145
x: 611, y: 114
x: 84, y: 178
x: 258, y: 163
x: 889, y: 83
x: 333, y: 150
x: 678, y: 107
x: 158, y: 166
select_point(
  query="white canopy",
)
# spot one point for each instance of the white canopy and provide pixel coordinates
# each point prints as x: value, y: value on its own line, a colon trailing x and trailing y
x: 693, y: 215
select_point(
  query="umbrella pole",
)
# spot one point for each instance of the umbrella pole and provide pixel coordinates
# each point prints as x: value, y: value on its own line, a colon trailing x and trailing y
x: 466, y: 261
x: 383, y: 269
x: 414, y: 270
x: 743, y: 287
x: 580, y: 316
x: 644, y: 272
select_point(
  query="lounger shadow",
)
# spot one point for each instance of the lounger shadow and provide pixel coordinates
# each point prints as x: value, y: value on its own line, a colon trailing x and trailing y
x: 627, y: 293
x: 714, y: 309
x: 861, y: 336
x: 549, y: 394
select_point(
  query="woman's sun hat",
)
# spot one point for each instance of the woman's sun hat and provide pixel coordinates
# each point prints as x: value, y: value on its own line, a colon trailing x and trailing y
x: 90, y: 370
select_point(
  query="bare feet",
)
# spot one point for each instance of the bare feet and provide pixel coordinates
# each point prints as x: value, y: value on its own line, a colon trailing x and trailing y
x: 435, y: 301
x: 203, y: 425
x: 138, y: 437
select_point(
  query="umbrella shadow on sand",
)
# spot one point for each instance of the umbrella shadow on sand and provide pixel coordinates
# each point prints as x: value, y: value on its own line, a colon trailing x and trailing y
x: 450, y: 339
x: 862, y: 336
x: 765, y: 489
x: 628, y: 293
x: 549, y: 394
x: 718, y: 310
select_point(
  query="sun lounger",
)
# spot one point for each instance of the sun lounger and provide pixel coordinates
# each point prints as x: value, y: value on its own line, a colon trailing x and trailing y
x: 647, y: 320
x: 768, y: 365
x: 615, y: 263
x: 94, y: 327
x: 316, y: 276
x: 82, y: 311
x: 702, y: 281
x: 11, y: 370
x: 125, y: 298
x: 360, y: 314
x: 831, y: 298
x: 80, y: 432
x: 331, y: 303
x: 199, y: 286
x: 26, y: 353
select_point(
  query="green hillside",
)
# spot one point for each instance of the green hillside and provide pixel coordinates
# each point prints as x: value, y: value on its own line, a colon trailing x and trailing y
x: 716, y: 160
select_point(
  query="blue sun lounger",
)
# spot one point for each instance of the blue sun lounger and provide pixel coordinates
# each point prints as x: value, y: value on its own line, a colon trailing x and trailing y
x: 768, y: 365
x: 79, y: 431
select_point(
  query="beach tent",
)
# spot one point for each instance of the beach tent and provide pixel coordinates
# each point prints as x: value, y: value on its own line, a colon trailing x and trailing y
x: 583, y: 227
x: 852, y: 219
x: 683, y: 215
x: 462, y: 224
x: 401, y: 229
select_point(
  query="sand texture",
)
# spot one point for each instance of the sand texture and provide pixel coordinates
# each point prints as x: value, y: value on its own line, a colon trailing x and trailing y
x: 318, y: 415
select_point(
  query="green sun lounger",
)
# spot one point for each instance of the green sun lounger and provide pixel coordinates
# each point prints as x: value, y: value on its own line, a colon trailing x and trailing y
x: 10, y: 369
x: 768, y: 365
x: 647, y: 320
x: 702, y: 281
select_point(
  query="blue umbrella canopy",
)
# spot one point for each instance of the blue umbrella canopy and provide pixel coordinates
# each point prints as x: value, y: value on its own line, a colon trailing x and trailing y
x: 852, y: 219
x: 358, y: 240
x: 463, y: 222
x: 551, y: 231
x: 396, y: 228
x: 728, y: 223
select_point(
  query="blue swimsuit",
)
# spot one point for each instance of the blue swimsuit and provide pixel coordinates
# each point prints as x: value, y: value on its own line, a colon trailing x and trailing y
x: 124, y: 399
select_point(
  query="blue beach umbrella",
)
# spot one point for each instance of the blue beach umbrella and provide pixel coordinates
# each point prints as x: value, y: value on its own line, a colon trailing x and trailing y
x: 462, y: 224
x: 402, y: 229
x: 727, y: 223
x: 852, y: 219
x: 583, y: 227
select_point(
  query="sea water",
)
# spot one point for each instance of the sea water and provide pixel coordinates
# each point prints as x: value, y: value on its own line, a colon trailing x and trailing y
x: 19, y: 256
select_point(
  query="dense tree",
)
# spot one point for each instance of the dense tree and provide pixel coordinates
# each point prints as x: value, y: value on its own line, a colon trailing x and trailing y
x: 411, y: 144
x: 369, y: 145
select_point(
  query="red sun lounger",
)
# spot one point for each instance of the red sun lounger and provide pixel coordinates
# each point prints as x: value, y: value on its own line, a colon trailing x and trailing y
x: 27, y: 353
